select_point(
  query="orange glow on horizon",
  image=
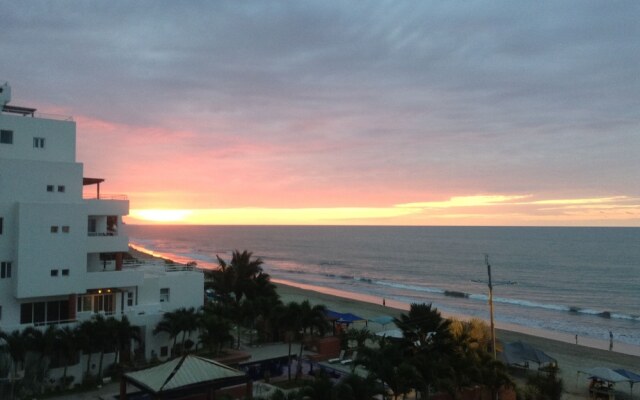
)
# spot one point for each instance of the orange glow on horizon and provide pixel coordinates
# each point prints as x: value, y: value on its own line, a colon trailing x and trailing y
x: 464, y: 210
x: 161, y: 216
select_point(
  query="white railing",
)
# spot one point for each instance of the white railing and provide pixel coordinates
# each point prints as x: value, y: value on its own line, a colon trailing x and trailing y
x: 57, y: 117
x: 86, y: 196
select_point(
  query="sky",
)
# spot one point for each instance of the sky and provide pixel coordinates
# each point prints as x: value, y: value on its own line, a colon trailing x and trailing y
x: 343, y: 112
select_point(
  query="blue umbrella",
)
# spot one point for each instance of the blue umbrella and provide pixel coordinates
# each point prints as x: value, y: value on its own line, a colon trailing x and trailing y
x: 631, y: 376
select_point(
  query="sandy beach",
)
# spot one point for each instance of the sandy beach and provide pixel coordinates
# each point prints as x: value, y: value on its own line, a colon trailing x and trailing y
x: 571, y: 357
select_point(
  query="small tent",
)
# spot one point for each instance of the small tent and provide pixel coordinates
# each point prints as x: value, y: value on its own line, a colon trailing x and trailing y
x: 520, y: 354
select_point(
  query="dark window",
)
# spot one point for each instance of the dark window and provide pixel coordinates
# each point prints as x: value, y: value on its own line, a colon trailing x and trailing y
x: 53, y: 311
x: 0, y: 313
x: 39, y: 312
x: 49, y: 188
x: 164, y: 351
x: 1, y: 223
x: 54, y: 272
x: 54, y: 229
x: 64, y: 310
x: 6, y: 137
x: 5, y: 269
x: 65, y: 229
x: 93, y: 225
x: 65, y: 272
x: 61, y: 188
x: 38, y: 142
x: 26, y: 313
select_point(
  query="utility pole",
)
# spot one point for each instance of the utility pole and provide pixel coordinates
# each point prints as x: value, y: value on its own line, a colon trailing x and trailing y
x: 493, y: 329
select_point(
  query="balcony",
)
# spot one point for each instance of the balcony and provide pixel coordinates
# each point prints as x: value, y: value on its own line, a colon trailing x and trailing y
x: 106, y: 243
x: 113, y: 279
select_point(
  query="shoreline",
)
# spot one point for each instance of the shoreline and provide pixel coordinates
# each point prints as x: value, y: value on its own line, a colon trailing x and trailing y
x: 619, y: 347
x: 571, y: 358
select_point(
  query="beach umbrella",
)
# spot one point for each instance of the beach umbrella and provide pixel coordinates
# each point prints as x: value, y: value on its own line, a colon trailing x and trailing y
x: 520, y: 352
x: 631, y: 376
x: 605, y: 374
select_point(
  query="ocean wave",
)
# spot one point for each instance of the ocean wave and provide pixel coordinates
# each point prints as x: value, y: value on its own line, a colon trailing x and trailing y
x: 510, y: 301
x: 410, y: 287
x: 332, y: 263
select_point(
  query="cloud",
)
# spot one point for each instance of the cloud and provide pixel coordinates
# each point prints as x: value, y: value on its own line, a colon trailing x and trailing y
x: 338, y: 104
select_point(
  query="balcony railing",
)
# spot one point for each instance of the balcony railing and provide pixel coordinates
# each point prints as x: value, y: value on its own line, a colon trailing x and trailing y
x: 103, y: 233
x: 93, y: 196
x: 54, y: 116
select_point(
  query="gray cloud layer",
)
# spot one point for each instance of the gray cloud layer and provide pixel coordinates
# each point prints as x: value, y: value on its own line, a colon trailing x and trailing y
x: 465, y: 97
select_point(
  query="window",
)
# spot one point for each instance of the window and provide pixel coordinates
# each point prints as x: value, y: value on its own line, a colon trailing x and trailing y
x: 54, y: 272
x: 5, y: 270
x: 1, y: 223
x: 65, y: 272
x: 164, y: 295
x: 38, y: 142
x: 92, y: 226
x: 6, y: 137
x: 44, y: 312
x: 49, y: 188
x: 61, y: 188
x: 54, y: 229
x: 0, y: 313
x: 129, y: 299
x: 96, y: 302
x: 164, y: 351
x: 65, y: 229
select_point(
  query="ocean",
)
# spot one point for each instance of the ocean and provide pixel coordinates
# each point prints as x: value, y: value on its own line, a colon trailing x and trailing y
x: 568, y: 281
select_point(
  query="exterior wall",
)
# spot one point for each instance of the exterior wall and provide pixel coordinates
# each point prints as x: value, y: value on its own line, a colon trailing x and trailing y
x: 59, y: 145
x: 186, y: 289
x: 111, y: 279
x: 39, y: 251
x: 27, y: 181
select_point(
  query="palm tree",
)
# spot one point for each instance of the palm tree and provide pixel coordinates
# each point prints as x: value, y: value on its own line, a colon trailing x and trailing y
x: 16, y: 343
x: 174, y: 323
x: 17, y: 348
x: 41, y: 347
x: 104, y: 331
x: 389, y: 365
x: 429, y: 346
x: 124, y: 334
x: 187, y: 321
x: 169, y: 324
x: 246, y: 271
x: 85, y: 336
x: 66, y: 349
x: 313, y: 319
x: 240, y: 278
x: 361, y: 388
x: 360, y: 336
x: 493, y: 374
x: 214, y: 331
x: 289, y: 322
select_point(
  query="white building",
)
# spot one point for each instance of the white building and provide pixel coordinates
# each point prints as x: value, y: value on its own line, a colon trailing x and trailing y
x: 62, y: 240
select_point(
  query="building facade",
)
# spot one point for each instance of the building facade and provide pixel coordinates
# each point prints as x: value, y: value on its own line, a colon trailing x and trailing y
x: 62, y: 241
